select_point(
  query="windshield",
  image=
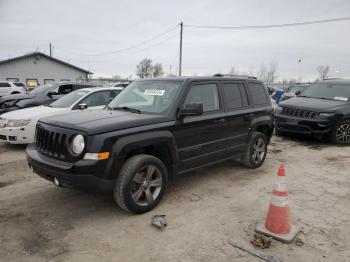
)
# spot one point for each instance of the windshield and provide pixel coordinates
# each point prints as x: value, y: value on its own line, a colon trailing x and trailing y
x: 334, y: 91
x: 294, y: 89
x: 43, y: 89
x: 148, y: 96
x: 70, y: 99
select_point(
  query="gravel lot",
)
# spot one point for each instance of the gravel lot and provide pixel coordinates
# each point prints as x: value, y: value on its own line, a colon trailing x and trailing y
x: 205, y: 209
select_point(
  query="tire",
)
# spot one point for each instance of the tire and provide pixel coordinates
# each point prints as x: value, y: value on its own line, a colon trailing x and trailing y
x: 133, y: 190
x: 341, y: 133
x: 251, y: 158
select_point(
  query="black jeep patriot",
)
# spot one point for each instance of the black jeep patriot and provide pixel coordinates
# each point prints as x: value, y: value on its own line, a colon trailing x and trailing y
x: 154, y: 130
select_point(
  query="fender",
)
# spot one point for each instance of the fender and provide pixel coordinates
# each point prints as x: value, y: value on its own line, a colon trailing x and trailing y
x: 125, y: 145
x: 264, y: 120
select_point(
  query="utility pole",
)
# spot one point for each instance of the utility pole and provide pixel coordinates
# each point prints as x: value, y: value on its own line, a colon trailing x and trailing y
x: 50, y: 49
x: 180, y: 53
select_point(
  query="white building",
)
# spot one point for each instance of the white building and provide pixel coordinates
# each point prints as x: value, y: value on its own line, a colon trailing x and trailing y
x: 38, y: 68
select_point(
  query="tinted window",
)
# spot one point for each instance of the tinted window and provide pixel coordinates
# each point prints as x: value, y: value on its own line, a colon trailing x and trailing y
x: 18, y: 84
x: 232, y: 96
x: 99, y: 98
x: 206, y: 95
x: 65, y: 89
x: 243, y: 94
x: 5, y: 85
x: 258, y: 94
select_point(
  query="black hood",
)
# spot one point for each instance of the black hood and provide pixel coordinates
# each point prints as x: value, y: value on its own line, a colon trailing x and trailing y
x: 313, y: 104
x: 101, y: 121
x: 16, y: 97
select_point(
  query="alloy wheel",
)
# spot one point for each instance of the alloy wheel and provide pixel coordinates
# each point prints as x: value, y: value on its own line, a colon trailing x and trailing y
x: 343, y: 133
x: 259, y: 150
x: 146, y: 185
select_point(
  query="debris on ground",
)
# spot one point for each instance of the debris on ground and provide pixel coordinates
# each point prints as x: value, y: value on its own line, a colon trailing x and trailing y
x: 252, y: 251
x: 299, y: 242
x: 159, y: 221
x: 195, y: 197
x: 261, y: 241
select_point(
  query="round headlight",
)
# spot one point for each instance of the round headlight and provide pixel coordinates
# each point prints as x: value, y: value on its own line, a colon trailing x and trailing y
x: 78, y: 144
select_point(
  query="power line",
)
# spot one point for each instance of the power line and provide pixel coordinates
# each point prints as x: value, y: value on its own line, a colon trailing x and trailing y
x: 331, y: 20
x: 121, y: 50
x: 135, y: 52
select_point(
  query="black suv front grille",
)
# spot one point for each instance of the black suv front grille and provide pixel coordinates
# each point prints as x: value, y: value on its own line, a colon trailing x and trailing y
x: 299, y: 113
x: 51, y: 143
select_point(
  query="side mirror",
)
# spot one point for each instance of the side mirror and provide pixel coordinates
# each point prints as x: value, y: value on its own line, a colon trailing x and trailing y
x: 191, y: 110
x: 297, y: 93
x: 82, y: 106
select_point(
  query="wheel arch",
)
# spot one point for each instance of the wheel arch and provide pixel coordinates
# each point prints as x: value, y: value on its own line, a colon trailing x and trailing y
x: 160, y: 144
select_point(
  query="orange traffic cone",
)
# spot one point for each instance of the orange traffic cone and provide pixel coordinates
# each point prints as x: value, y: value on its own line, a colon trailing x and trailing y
x: 278, y: 223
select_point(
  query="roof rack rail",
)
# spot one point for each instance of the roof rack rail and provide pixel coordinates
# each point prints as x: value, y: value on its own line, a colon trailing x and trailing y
x: 242, y: 76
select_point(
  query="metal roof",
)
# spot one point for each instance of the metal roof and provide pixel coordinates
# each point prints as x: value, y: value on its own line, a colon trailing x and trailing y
x: 44, y: 55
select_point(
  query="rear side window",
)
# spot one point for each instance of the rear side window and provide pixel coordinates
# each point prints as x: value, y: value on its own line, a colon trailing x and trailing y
x: 258, y: 94
x: 5, y: 85
x: 232, y: 95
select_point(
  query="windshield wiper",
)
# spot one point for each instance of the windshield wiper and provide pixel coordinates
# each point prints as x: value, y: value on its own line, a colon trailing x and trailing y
x: 126, y: 108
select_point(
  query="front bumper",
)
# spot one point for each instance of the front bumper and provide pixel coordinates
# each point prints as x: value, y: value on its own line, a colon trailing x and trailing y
x: 303, y: 126
x: 17, y: 135
x: 67, y: 174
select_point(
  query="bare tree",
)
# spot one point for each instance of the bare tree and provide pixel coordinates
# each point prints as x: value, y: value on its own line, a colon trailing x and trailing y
x: 268, y: 74
x: 144, y: 68
x: 158, y: 70
x: 272, y: 73
x: 323, y: 71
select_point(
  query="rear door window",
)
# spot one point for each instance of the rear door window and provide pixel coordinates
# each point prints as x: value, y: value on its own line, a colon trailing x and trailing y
x: 258, y: 93
x: 232, y: 95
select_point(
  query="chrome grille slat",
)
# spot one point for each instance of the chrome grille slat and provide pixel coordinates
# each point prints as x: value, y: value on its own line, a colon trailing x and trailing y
x: 299, y: 113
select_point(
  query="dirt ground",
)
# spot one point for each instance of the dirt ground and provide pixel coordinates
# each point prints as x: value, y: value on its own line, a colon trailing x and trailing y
x: 205, y: 209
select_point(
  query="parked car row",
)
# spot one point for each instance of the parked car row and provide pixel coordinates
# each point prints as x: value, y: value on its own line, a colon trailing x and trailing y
x: 9, y: 88
x: 18, y: 127
x: 134, y: 141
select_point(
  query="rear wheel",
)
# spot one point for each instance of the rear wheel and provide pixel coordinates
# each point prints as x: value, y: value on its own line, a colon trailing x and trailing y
x: 256, y: 152
x: 141, y: 183
x: 341, y: 133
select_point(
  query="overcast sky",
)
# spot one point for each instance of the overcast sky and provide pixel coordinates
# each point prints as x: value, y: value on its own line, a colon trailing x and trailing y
x: 95, y: 27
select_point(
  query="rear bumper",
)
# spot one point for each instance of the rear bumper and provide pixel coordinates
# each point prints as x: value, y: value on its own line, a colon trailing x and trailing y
x: 303, y: 126
x: 66, y: 173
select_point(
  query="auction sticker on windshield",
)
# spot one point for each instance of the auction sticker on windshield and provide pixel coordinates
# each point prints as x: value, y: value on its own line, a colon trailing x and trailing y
x: 341, y: 98
x: 154, y: 92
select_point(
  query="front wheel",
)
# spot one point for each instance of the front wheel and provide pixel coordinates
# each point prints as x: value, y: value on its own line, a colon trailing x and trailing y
x: 141, y: 183
x: 341, y: 133
x: 256, y: 151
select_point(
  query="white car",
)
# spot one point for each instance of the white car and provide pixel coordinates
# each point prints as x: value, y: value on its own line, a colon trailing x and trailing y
x: 10, y: 88
x: 18, y: 127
